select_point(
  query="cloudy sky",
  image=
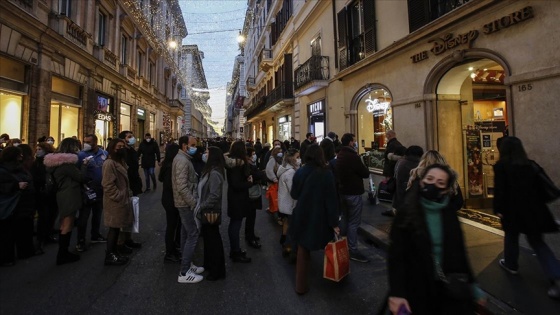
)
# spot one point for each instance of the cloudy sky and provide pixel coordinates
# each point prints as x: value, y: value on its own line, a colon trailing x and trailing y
x: 213, y: 25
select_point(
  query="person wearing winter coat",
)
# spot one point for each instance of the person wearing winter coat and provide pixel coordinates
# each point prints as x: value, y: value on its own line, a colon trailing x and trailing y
x: 46, y: 204
x: 271, y: 168
x: 16, y: 188
x: 286, y: 204
x: 185, y: 196
x: 315, y: 217
x: 517, y: 203
x: 173, y: 225
x: 149, y: 154
x: 410, y: 161
x: 427, y: 249
x: 212, y: 190
x: 116, y: 200
x: 69, y: 180
x: 256, y: 203
x: 239, y: 180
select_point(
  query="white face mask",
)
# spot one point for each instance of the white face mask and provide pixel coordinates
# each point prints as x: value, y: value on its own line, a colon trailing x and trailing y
x: 205, y: 157
x: 87, y: 147
x: 149, y: 139
x: 16, y: 144
x: 298, y: 161
x: 50, y: 142
x: 254, y: 158
x: 280, y: 154
x: 131, y: 141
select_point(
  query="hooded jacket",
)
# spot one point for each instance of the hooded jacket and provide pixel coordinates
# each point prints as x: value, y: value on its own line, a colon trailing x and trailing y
x: 69, y: 180
x: 286, y: 204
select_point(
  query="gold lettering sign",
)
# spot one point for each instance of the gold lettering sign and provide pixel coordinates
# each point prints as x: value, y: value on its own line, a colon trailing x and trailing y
x: 509, y: 20
x: 447, y: 42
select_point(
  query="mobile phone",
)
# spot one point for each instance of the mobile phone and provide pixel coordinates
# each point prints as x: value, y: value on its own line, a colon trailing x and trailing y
x: 403, y: 310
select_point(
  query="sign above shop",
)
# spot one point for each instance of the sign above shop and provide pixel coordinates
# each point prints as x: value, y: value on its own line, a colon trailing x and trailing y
x: 101, y: 115
x: 316, y: 108
x: 376, y: 107
x: 449, y: 41
x: 141, y: 113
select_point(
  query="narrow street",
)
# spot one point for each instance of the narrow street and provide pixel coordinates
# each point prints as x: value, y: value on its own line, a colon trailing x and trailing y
x: 147, y: 285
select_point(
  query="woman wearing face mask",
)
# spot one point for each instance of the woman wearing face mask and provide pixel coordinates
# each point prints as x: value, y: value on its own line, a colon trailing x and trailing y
x: 428, y: 249
x: 46, y: 204
x: 116, y: 200
x: 50, y: 140
x: 272, y: 166
x: 286, y: 204
x: 256, y: 202
x: 69, y: 180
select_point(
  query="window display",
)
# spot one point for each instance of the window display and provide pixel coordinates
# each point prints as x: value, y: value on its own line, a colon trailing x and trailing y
x: 10, y: 114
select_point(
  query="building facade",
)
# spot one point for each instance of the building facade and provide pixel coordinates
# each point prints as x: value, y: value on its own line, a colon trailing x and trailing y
x: 449, y: 75
x: 70, y: 68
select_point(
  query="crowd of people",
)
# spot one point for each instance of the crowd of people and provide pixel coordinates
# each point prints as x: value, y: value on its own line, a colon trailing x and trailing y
x: 314, y: 191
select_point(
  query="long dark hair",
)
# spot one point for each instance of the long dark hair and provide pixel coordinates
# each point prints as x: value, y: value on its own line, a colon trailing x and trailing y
x: 314, y: 156
x: 69, y: 145
x: 512, y: 151
x: 238, y: 150
x: 170, y: 153
x: 111, y: 150
x: 215, y: 161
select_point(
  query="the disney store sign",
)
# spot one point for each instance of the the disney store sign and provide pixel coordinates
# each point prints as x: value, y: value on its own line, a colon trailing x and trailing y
x: 450, y: 41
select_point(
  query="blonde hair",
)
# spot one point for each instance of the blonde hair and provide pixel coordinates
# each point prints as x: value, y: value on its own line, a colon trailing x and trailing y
x: 429, y: 158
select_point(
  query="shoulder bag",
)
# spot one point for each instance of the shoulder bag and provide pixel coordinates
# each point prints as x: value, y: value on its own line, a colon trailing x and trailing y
x: 547, y: 189
x: 8, y: 204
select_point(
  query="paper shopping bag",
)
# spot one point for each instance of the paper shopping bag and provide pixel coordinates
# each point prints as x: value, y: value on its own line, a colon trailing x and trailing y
x: 135, y: 201
x: 337, y: 260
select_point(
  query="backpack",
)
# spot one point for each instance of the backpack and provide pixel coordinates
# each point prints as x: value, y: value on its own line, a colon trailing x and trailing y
x: 51, y: 185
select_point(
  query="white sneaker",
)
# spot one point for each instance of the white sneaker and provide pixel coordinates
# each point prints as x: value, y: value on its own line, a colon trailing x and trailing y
x: 195, y: 269
x: 189, y: 277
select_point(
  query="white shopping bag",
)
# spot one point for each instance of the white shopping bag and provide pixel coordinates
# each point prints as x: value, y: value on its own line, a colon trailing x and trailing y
x: 135, y: 201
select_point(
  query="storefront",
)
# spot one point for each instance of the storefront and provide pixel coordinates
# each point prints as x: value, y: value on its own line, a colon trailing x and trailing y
x: 66, y: 103
x: 104, y: 119
x: 284, y: 128
x: 316, y: 115
x: 12, y: 92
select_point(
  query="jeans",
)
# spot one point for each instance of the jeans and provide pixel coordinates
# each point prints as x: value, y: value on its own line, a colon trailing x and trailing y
x: 351, y: 219
x: 549, y: 263
x: 95, y: 209
x: 189, y: 237
x: 233, y: 233
x: 149, y: 173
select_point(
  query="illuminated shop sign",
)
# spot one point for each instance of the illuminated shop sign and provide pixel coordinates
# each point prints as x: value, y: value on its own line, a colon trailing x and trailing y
x: 315, y: 108
x: 450, y: 41
x: 376, y: 107
x: 100, y: 115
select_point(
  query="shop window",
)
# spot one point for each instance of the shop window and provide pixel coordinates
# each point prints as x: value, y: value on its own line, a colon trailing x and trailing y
x: 152, y: 123
x: 10, y: 114
x: 124, y: 117
x: 64, y: 121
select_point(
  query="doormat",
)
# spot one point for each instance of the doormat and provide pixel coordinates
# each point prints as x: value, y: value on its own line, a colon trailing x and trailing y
x: 481, y: 217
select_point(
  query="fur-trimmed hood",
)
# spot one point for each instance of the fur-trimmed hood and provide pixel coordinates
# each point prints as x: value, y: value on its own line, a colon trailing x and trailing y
x: 57, y: 159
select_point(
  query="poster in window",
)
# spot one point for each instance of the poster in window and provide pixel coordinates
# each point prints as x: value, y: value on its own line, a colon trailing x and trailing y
x: 474, y: 164
x: 102, y: 103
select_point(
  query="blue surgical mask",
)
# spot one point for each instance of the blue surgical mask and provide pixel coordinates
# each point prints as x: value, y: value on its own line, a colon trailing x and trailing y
x: 280, y: 154
x: 131, y: 141
x: 192, y: 151
x: 87, y: 147
x: 254, y: 158
x: 205, y: 157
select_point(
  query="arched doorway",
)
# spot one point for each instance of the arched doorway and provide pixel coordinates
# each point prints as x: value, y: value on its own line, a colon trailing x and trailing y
x: 471, y: 111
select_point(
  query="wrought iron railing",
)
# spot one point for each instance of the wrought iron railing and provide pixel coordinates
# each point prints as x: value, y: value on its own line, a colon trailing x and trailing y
x: 315, y: 68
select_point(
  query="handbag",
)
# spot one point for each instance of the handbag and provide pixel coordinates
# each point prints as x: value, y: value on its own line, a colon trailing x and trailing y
x: 8, y: 205
x: 336, y: 263
x: 547, y: 189
x: 209, y: 216
x: 89, y: 196
x: 255, y: 192
x: 456, y: 286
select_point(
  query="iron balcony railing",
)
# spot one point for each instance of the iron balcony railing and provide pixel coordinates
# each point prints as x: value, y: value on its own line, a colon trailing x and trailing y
x: 282, y: 92
x: 315, y: 68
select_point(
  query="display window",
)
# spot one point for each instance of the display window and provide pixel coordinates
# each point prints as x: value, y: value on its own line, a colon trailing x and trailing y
x: 375, y: 118
x: 316, y: 114
x: 10, y: 114
x: 284, y: 128
x: 124, y: 121
x: 64, y: 121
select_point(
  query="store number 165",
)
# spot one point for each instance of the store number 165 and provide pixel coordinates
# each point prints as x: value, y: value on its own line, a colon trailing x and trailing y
x: 525, y: 87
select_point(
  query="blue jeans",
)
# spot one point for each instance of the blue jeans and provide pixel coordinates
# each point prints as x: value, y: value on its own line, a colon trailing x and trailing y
x: 549, y: 263
x: 233, y: 233
x: 351, y: 219
x: 149, y: 172
x: 189, y: 237
x: 95, y: 209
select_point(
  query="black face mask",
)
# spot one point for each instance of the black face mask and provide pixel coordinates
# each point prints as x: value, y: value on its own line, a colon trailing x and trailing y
x: 432, y: 193
x: 121, y: 153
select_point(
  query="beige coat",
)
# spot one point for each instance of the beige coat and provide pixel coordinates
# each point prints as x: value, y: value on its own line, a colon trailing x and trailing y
x: 184, y: 181
x: 116, y: 195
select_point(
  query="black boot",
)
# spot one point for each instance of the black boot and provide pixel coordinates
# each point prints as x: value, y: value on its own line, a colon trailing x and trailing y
x: 239, y: 257
x: 113, y: 259
x: 253, y: 243
x: 63, y: 255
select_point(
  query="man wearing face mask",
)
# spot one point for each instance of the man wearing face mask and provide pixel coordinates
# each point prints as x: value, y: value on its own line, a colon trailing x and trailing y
x: 185, y: 183
x: 149, y: 152
x: 350, y: 172
x: 94, y: 157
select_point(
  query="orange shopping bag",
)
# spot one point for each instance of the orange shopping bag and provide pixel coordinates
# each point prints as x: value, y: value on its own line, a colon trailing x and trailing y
x: 337, y: 260
x: 272, y: 196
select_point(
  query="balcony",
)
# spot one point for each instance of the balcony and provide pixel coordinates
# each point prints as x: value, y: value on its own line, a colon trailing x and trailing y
x: 265, y: 60
x: 312, y: 75
x: 280, y: 97
x: 110, y: 58
x: 76, y: 33
x: 251, y: 84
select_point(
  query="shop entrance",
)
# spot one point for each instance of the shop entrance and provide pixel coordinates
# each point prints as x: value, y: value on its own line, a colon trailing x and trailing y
x: 472, y: 113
